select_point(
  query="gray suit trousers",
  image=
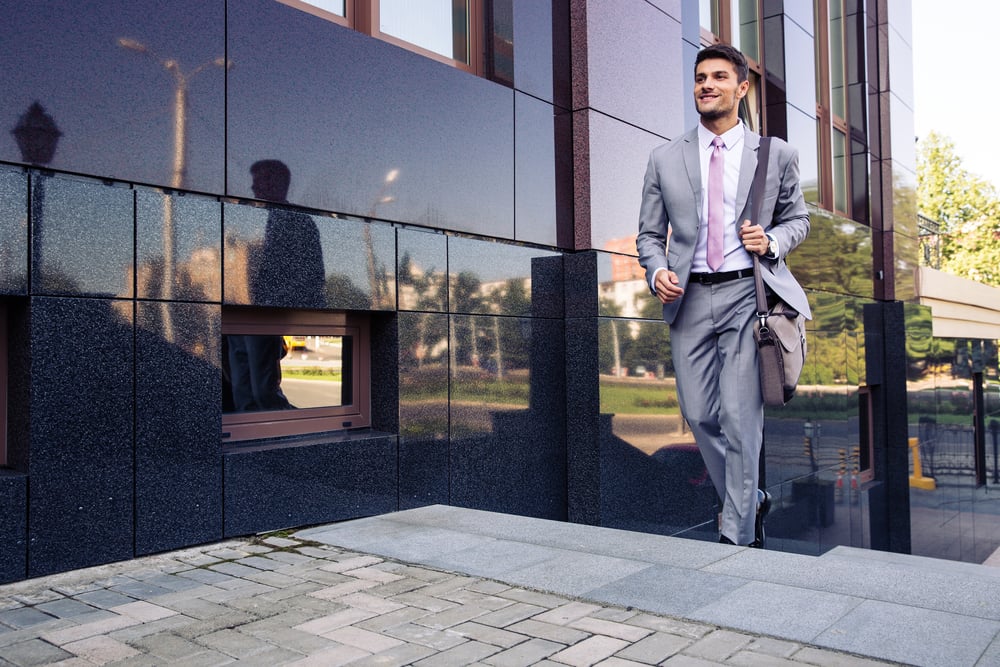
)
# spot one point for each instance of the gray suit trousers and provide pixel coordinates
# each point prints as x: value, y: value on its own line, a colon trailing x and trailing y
x: 718, y: 386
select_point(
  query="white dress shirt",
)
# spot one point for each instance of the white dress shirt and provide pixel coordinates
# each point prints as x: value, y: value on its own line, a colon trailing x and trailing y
x: 735, y: 256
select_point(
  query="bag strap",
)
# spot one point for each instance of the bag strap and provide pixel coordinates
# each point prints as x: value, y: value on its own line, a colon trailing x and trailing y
x: 757, y: 194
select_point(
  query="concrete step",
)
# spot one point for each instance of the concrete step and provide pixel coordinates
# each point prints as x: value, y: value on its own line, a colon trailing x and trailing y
x: 937, y: 566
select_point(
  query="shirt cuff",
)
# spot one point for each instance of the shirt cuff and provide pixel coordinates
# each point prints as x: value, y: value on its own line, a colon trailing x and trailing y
x: 776, y: 249
x: 652, y: 280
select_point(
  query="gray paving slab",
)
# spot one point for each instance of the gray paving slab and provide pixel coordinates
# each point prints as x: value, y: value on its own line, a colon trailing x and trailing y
x: 560, y: 534
x: 887, y: 581
x: 761, y: 607
x: 404, y: 541
x: 666, y: 590
x: 910, y: 635
x: 495, y: 558
x: 574, y: 573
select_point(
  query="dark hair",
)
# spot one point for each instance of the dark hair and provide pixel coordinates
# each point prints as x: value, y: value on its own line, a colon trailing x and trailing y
x: 725, y: 52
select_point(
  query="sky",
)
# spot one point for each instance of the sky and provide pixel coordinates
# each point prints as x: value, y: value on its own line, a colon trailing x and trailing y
x: 955, y: 72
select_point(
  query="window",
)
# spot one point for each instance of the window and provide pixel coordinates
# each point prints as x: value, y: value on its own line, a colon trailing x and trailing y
x: 293, y: 372
x: 737, y: 22
x: 449, y: 31
x: 833, y: 130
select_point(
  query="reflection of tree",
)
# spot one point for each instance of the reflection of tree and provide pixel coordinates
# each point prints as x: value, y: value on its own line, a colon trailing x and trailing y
x: 465, y: 299
x: 341, y: 292
x: 838, y: 253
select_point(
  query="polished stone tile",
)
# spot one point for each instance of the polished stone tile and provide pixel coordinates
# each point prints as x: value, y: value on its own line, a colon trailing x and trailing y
x: 188, y: 231
x: 13, y: 232
x: 178, y: 463
x: 108, y: 77
x: 308, y: 481
x: 394, y: 136
x: 81, y: 435
x: 82, y: 237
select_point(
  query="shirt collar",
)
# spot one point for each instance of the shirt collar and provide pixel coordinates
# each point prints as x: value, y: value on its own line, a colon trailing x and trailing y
x: 732, y: 136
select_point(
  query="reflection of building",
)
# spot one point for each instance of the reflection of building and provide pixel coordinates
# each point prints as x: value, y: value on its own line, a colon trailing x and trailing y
x: 501, y: 334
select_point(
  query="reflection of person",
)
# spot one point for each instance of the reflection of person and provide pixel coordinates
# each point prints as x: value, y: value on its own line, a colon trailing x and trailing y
x: 706, y: 284
x: 287, y: 272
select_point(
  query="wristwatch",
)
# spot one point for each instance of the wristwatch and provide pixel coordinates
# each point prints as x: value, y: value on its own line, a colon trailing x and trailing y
x: 772, y: 247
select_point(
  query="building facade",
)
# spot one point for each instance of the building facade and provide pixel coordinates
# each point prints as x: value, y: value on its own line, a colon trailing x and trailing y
x: 423, y: 225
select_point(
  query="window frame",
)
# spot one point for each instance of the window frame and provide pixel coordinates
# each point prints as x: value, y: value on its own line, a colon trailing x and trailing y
x: 243, y: 426
x: 754, y: 103
x: 363, y: 16
x: 827, y: 121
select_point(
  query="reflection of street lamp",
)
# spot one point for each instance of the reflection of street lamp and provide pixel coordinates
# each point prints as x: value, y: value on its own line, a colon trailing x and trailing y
x: 812, y: 432
x: 380, y: 198
x: 181, y: 81
x: 36, y: 135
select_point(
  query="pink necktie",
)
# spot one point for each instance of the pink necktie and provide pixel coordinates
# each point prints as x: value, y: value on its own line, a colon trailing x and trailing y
x: 716, y: 170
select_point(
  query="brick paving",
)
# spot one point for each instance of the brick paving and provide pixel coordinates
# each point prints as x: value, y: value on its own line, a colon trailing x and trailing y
x: 280, y: 601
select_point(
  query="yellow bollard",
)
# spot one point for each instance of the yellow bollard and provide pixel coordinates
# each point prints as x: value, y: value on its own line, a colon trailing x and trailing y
x: 917, y: 479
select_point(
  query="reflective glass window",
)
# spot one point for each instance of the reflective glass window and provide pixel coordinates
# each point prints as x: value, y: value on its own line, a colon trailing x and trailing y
x: 441, y: 26
x: 293, y: 372
x: 446, y: 30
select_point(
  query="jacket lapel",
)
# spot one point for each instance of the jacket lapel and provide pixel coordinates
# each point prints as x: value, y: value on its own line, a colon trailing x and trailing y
x: 751, y: 142
x: 692, y: 164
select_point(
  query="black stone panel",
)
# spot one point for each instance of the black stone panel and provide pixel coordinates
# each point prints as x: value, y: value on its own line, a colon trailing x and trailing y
x: 508, y: 440
x: 365, y: 127
x: 535, y: 202
x: 107, y: 74
x: 533, y: 42
x: 422, y: 270
x: 178, y: 460
x: 305, y: 481
x: 81, y: 433
x: 284, y: 258
x: 178, y: 247
x: 496, y: 278
x: 13, y: 526
x: 82, y: 235
x: 641, y: 84
x: 13, y: 232
x: 423, y: 409
x: 585, y: 426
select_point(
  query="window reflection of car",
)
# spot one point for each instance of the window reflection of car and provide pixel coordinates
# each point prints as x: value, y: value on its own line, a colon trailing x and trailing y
x: 295, y: 342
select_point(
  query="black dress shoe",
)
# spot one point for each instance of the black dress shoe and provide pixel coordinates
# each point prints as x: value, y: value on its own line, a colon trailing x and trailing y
x: 758, y: 527
x: 725, y: 540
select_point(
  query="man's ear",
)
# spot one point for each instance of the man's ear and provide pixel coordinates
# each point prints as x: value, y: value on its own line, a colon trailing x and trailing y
x: 743, y: 89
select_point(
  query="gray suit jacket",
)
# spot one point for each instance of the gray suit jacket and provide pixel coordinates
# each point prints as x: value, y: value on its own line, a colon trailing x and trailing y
x: 672, y: 196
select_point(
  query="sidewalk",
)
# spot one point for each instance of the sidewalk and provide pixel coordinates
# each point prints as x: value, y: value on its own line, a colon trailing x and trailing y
x: 448, y: 586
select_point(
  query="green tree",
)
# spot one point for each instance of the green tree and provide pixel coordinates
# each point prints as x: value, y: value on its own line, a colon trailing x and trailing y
x: 965, y: 205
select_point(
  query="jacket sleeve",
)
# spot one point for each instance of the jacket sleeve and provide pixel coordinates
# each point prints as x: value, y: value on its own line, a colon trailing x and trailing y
x: 651, y: 241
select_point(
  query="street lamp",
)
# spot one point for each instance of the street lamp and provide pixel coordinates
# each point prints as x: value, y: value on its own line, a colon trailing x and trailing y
x: 36, y: 135
x: 181, y: 81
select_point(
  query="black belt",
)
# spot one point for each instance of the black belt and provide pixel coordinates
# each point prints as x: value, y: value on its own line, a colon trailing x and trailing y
x: 723, y: 277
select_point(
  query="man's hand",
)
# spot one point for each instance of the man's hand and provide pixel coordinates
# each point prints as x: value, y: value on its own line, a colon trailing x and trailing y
x: 666, y: 286
x: 753, y: 237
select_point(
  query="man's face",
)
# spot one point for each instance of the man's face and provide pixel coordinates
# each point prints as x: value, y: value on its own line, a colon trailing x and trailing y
x: 717, y: 92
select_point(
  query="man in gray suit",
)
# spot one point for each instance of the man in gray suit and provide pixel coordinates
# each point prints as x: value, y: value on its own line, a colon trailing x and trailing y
x: 695, y: 241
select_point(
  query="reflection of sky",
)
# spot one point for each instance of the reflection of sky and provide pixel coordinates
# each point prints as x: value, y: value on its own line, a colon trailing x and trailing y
x: 109, y: 101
